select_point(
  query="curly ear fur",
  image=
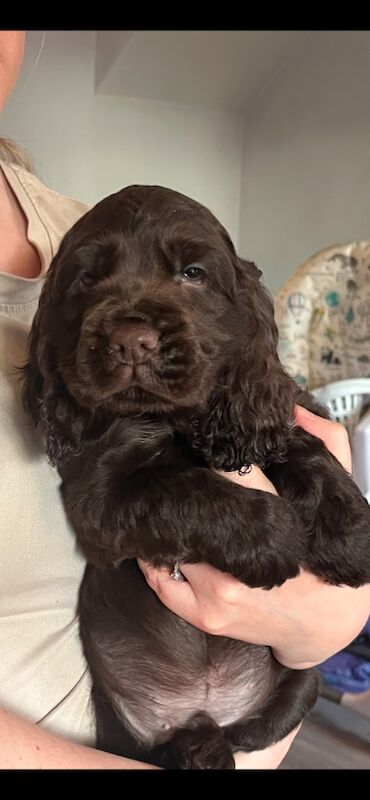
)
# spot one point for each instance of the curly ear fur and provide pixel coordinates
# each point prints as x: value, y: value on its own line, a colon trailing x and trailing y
x: 45, y: 397
x: 250, y: 418
x: 62, y: 425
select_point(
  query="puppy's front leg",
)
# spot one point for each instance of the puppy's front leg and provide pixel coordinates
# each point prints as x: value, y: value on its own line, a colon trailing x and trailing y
x: 166, y: 512
x: 335, y: 515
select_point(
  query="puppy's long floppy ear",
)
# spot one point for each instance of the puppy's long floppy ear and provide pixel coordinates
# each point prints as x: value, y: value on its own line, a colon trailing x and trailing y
x: 45, y: 397
x: 249, y: 420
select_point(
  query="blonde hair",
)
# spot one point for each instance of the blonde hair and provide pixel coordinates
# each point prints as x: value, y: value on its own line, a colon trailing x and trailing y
x: 12, y: 153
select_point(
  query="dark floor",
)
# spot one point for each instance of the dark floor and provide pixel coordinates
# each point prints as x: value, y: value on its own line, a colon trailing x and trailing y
x: 332, y: 737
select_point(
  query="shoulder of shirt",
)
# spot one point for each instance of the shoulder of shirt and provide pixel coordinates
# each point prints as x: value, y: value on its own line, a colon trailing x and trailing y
x: 51, y: 200
x: 27, y: 178
x: 50, y: 211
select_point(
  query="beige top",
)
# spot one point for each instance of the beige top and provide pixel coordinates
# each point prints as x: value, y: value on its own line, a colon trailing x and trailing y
x: 43, y: 674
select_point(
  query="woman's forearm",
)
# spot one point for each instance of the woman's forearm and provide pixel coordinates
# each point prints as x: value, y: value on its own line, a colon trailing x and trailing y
x: 27, y: 746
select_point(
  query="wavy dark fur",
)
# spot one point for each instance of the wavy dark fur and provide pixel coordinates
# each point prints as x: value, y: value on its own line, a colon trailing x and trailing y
x: 134, y: 434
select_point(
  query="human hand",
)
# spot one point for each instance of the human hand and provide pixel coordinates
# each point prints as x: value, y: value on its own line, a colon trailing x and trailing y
x: 287, y: 618
x: 333, y: 434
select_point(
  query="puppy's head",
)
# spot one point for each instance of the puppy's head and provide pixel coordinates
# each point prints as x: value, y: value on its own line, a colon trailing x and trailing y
x: 146, y: 308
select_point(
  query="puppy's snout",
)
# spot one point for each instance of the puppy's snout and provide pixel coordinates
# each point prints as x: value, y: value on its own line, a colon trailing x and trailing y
x: 134, y: 343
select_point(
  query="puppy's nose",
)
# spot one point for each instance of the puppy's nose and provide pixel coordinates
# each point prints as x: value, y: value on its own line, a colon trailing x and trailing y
x: 134, y: 343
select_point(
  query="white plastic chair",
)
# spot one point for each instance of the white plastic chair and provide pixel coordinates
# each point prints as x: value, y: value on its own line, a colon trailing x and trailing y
x: 346, y: 401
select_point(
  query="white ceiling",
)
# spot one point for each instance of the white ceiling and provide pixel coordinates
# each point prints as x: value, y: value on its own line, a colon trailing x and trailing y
x: 222, y: 69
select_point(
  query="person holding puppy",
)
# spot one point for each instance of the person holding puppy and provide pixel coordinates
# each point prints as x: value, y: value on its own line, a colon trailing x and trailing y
x: 46, y: 717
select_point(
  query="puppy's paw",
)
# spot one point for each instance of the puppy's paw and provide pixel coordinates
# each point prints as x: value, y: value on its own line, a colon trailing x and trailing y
x: 268, y: 548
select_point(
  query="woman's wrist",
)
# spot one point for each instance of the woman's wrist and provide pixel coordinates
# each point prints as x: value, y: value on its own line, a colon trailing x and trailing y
x: 305, y: 636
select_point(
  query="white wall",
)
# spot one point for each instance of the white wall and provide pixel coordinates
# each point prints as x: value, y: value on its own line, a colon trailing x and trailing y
x: 306, y: 162
x: 195, y: 151
x: 301, y: 182
x: 51, y: 112
x: 90, y: 145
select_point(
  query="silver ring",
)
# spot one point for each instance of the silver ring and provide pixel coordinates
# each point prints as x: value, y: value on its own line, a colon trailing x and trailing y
x: 176, y: 574
x: 245, y: 470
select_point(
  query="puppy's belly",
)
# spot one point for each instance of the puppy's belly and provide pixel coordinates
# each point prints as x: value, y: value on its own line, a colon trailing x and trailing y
x: 157, y: 670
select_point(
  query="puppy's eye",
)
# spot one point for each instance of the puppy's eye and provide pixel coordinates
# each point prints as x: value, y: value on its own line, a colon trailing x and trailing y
x: 87, y: 279
x: 194, y: 274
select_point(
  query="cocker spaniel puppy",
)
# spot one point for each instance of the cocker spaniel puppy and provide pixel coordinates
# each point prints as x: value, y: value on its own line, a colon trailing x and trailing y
x: 152, y: 360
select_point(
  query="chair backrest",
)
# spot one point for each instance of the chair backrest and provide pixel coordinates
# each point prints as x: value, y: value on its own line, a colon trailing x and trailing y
x: 323, y: 317
x: 345, y: 400
x: 349, y: 403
